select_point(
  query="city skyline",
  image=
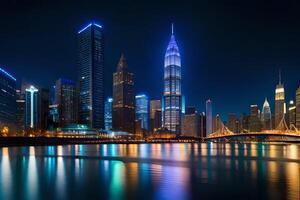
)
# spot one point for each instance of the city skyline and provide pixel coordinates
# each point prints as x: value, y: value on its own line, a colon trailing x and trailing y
x: 210, y: 68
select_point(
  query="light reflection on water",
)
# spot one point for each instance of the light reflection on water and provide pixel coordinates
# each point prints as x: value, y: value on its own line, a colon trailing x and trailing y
x: 151, y: 171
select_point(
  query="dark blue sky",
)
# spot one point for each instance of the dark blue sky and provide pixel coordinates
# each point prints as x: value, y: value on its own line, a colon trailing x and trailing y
x: 231, y: 52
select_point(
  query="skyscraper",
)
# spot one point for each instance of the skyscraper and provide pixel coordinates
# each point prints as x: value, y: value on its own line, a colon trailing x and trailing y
x: 91, y: 77
x: 20, y: 112
x: 31, y: 108
x: 43, y: 104
x: 66, y: 96
x: 209, y: 122
x: 292, y: 115
x: 108, y: 113
x: 155, y: 112
x: 7, y: 100
x: 172, y: 87
x: 279, y: 102
x: 190, y: 124
x: 266, y: 116
x: 232, y: 118
x: 123, y: 98
x: 142, y: 110
x: 298, y: 108
x: 254, y: 120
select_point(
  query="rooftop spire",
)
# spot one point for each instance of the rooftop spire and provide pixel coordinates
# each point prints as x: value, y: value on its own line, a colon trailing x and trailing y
x: 122, y: 65
x: 172, y: 28
x: 279, y: 76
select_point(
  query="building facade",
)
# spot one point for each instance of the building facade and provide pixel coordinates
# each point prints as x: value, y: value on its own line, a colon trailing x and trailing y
x: 254, y: 120
x: 190, y: 124
x: 172, y: 105
x: 91, y: 76
x: 43, y: 104
x: 298, y: 108
x: 291, y: 115
x: 108, y: 113
x: 279, y: 103
x: 123, y: 98
x: 142, y: 110
x: 155, y: 106
x: 65, y: 98
x: 209, y: 122
x: 7, y: 101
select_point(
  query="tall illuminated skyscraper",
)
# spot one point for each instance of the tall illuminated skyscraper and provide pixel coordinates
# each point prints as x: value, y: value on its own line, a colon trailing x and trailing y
x: 31, y: 108
x: 123, y: 98
x: 91, y: 78
x: 7, y: 100
x: 172, y: 99
x: 142, y: 110
x: 266, y: 116
x: 279, y: 102
x: 209, y: 122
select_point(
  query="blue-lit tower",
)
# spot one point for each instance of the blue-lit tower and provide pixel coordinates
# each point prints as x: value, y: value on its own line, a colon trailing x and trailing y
x: 31, y: 108
x: 91, y: 77
x: 7, y: 100
x: 142, y: 110
x: 108, y: 113
x: 172, y: 99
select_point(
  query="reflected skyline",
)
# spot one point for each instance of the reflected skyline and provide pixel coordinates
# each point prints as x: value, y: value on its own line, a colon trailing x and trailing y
x: 180, y: 171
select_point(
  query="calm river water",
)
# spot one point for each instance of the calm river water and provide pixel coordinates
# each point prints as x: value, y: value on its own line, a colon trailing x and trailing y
x: 151, y: 171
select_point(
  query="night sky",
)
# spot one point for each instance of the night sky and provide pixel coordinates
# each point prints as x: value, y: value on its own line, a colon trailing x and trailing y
x: 231, y: 52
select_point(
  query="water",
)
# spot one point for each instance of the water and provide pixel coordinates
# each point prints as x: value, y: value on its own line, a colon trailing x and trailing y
x: 151, y: 171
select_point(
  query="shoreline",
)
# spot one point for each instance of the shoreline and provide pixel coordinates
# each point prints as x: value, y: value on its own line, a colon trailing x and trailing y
x: 55, y: 141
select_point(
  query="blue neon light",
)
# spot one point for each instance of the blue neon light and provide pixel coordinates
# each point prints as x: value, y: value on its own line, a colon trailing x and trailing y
x: 90, y: 24
x: 7, y: 74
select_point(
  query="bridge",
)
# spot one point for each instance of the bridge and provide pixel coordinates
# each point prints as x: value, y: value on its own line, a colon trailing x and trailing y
x: 282, y: 133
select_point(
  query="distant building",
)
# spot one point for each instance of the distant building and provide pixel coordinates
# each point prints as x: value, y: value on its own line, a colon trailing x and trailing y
x: 217, y: 123
x: 31, y: 108
x: 20, y: 112
x: 43, y: 104
x: 172, y: 98
x: 209, y: 123
x: 108, y: 113
x: 157, y: 123
x: 7, y: 101
x: 279, y: 102
x: 91, y: 76
x: 190, y: 125
x: 232, y: 122
x: 66, y: 99
x: 298, y: 108
x: 292, y: 115
x: 155, y: 106
x: 53, y: 117
x: 123, y: 98
x: 254, y: 120
x: 142, y: 110
x: 202, y: 125
x: 244, y: 123
x: 266, y: 116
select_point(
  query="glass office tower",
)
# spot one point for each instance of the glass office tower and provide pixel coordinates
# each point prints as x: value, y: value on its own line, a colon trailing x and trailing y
x: 7, y: 99
x: 142, y: 110
x: 172, y: 99
x: 108, y: 113
x: 91, y: 77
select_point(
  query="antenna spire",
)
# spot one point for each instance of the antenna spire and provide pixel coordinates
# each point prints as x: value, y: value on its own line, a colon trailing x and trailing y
x: 172, y: 28
x: 279, y: 76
